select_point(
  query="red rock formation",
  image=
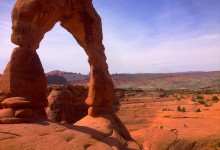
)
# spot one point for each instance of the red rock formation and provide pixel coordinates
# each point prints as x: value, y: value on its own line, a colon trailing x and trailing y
x: 23, y: 90
x: 24, y: 75
x: 19, y: 109
x: 67, y: 103
x: 94, y: 134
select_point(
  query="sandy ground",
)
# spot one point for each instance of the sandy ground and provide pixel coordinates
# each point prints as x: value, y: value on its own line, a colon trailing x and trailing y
x: 155, y: 123
x: 147, y: 116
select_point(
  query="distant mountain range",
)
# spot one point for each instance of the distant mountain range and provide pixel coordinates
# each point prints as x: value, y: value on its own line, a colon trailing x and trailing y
x: 188, y: 80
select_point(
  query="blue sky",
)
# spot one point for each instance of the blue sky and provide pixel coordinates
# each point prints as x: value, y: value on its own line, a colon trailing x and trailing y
x: 140, y: 36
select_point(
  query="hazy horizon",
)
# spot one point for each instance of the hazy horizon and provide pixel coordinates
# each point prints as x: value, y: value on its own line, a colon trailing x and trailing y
x: 162, y: 36
x: 141, y: 72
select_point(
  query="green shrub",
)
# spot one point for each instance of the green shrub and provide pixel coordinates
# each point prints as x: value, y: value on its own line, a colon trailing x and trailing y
x: 178, y: 98
x: 201, y: 102
x: 206, y: 105
x: 199, y: 97
x: 183, y: 109
x: 208, y: 92
x: 165, y: 109
x: 198, y: 110
x: 179, y: 109
x: 215, y: 99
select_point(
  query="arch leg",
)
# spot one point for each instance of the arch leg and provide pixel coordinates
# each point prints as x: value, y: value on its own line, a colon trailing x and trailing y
x: 24, y: 75
x: 87, y: 30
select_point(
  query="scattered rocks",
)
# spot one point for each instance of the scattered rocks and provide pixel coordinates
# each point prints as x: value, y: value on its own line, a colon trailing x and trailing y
x: 15, y: 110
x: 25, y: 112
x: 6, y: 113
x: 16, y: 102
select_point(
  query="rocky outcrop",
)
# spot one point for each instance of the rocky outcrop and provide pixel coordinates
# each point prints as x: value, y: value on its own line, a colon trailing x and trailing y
x: 113, y: 132
x: 24, y: 75
x: 67, y: 103
x: 19, y: 109
x: 55, y: 79
x: 162, y: 139
x: 23, y: 90
x: 100, y: 133
x: 73, y: 78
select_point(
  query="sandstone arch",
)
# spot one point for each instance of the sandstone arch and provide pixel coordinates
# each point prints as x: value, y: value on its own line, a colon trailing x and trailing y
x: 23, y: 82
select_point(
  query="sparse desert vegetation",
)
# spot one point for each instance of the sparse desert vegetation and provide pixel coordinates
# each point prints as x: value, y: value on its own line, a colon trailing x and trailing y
x: 145, y: 111
x: 215, y: 99
x: 198, y: 110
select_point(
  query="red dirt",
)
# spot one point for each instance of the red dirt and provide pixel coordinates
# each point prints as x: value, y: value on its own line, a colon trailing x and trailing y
x: 159, y: 122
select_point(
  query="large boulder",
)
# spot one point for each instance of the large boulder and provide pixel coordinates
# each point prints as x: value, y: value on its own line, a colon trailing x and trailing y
x: 66, y: 103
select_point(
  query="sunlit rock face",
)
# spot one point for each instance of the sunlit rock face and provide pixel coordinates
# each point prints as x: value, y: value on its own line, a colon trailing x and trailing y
x: 24, y: 76
x: 66, y: 103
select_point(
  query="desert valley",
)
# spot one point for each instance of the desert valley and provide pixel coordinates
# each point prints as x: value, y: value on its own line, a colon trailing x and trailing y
x: 180, y: 118
x: 172, y: 111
